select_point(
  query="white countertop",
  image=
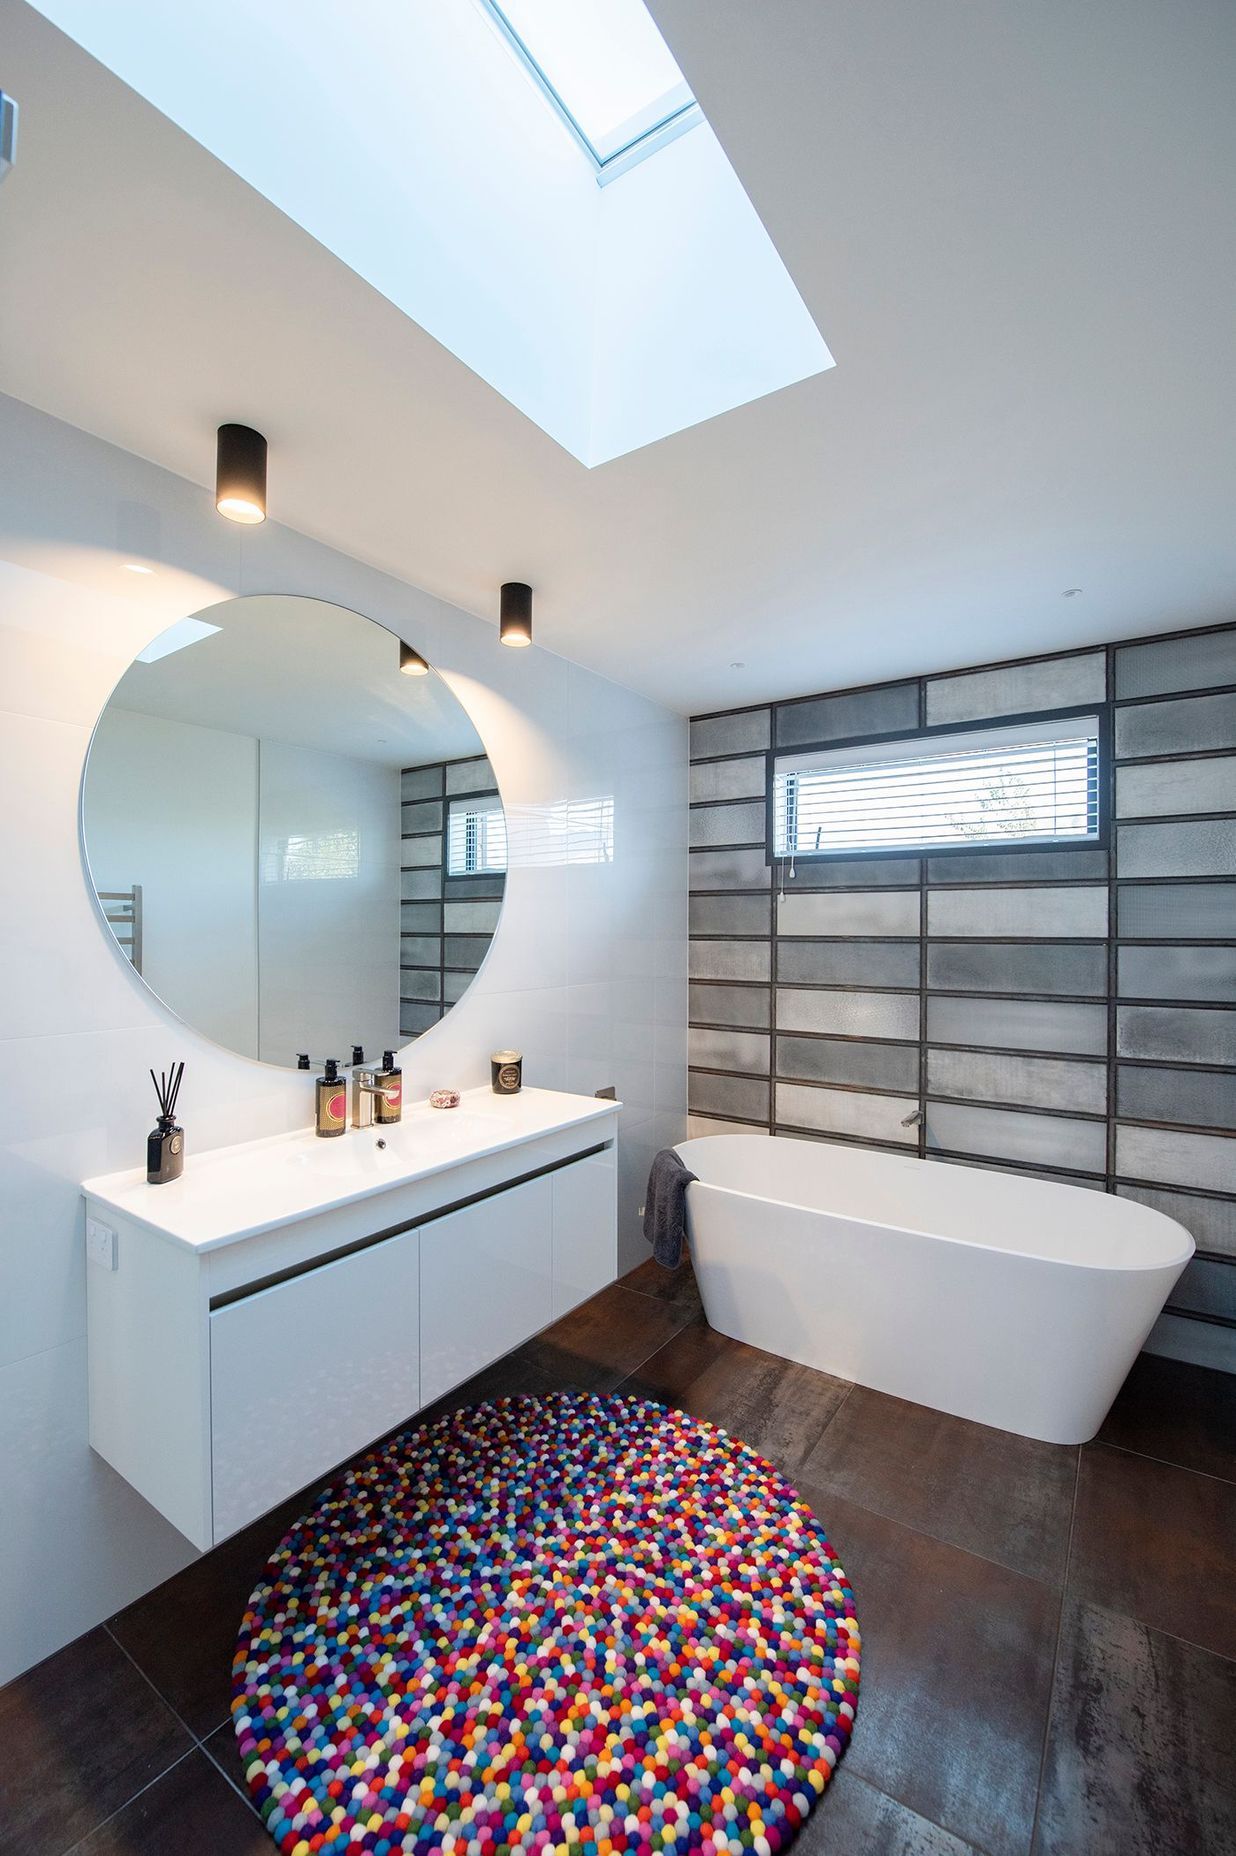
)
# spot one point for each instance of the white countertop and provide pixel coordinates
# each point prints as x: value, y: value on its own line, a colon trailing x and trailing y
x: 232, y: 1193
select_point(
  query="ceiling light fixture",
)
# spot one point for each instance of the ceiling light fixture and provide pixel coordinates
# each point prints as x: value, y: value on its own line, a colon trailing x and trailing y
x: 1070, y: 592
x: 136, y: 567
x: 240, y: 474
x: 515, y: 618
x: 411, y: 662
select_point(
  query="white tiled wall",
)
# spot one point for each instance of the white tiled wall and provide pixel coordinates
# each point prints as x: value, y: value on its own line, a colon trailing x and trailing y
x: 587, y: 976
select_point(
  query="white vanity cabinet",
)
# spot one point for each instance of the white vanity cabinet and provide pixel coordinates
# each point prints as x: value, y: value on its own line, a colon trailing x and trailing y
x: 287, y: 1302
x: 307, y: 1372
x: 486, y: 1282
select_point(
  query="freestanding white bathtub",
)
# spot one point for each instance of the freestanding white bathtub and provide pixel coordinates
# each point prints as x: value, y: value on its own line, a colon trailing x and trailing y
x: 1016, y: 1302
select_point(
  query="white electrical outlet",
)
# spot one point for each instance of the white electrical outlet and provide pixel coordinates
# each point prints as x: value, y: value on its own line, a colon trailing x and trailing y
x: 100, y: 1244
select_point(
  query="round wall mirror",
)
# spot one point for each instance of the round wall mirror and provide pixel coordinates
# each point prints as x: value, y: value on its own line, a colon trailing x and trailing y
x: 298, y: 845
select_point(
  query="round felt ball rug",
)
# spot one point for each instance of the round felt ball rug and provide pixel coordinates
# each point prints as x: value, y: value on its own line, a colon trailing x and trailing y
x: 577, y: 1623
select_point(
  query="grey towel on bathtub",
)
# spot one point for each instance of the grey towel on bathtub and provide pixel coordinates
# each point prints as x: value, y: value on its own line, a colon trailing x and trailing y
x: 665, y: 1208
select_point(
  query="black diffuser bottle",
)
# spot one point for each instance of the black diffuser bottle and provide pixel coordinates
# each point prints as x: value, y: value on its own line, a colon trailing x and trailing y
x: 165, y: 1144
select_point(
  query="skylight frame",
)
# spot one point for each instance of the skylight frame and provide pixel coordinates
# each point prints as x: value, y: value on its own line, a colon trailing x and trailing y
x: 643, y: 143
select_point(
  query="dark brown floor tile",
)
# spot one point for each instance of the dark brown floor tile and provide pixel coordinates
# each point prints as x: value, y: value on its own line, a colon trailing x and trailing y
x: 854, y: 1819
x: 1157, y: 1543
x: 776, y: 1406
x: 191, y: 1811
x: 600, y: 1342
x: 1006, y: 1497
x: 81, y: 1734
x: 1182, y: 1413
x: 677, y: 1287
x: 224, y: 1750
x: 183, y: 1634
x: 1139, y: 1756
x: 516, y: 1375
x: 956, y: 1679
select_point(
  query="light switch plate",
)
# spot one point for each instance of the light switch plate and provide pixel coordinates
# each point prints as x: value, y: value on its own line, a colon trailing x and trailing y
x: 100, y: 1244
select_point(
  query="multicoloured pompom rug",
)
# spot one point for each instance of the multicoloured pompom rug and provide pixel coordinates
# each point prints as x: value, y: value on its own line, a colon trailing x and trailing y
x: 546, y: 1624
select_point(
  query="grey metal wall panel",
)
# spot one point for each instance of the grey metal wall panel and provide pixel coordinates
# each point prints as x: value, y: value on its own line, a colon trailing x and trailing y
x: 850, y: 912
x: 844, y: 1111
x: 844, y: 1060
x: 728, y: 1050
x: 470, y: 776
x: 420, y: 917
x: 419, y: 950
x: 1207, y: 1288
x: 1206, y: 975
x: 732, y: 915
x: 1207, y: 848
x: 741, y: 733
x: 1026, y: 914
x: 890, y: 709
x: 849, y: 1014
x: 1184, y: 727
x: 420, y: 983
x: 1046, y: 1140
x: 471, y: 917
x: 1177, y: 1034
x: 728, y: 779
x: 1175, y: 787
x: 1083, y: 864
x: 1191, y: 1098
x: 421, y: 885
x: 735, y: 824
x: 742, y: 869
x: 1017, y: 689
x: 729, y: 960
x: 1063, y: 971
x: 738, y: 1098
x: 1031, y: 1082
x: 1175, y: 1157
x: 1176, y: 911
x: 848, y: 963
x: 1197, y: 661
x: 850, y: 873
x: 422, y: 815
x: 1019, y: 1024
x: 749, y: 1007
x: 421, y: 782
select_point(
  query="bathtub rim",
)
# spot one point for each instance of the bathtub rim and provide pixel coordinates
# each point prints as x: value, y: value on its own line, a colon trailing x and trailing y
x: 1176, y: 1262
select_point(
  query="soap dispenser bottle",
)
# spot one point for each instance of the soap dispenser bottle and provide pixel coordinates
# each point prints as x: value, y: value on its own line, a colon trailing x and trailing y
x: 332, y: 1101
x: 388, y: 1103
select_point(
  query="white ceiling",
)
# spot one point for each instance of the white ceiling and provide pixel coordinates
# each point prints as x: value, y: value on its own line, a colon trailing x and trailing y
x: 1013, y: 221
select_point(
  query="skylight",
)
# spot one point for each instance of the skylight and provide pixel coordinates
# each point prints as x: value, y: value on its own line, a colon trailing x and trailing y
x: 606, y: 69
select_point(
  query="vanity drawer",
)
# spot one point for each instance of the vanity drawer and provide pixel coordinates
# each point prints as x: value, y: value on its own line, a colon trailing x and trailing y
x: 585, y: 1230
x: 485, y: 1283
x: 307, y: 1372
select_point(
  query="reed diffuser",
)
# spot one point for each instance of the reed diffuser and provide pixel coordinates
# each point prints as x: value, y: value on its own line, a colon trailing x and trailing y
x: 165, y: 1145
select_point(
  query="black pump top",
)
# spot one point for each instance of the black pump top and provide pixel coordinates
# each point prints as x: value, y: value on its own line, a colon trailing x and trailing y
x: 302, y: 1060
x: 332, y: 1070
x: 388, y: 1059
x: 358, y: 1053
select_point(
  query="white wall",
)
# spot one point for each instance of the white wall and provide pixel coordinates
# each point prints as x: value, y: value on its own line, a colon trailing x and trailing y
x: 175, y: 808
x: 328, y: 946
x: 587, y: 973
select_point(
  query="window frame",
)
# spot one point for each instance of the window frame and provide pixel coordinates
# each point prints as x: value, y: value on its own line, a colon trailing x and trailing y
x: 941, y: 730
x: 468, y: 802
x: 643, y: 143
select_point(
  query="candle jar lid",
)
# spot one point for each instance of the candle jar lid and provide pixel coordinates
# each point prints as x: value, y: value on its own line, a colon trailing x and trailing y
x: 507, y: 1056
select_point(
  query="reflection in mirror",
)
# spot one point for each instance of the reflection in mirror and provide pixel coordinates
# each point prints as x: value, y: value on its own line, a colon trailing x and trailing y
x: 298, y: 848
